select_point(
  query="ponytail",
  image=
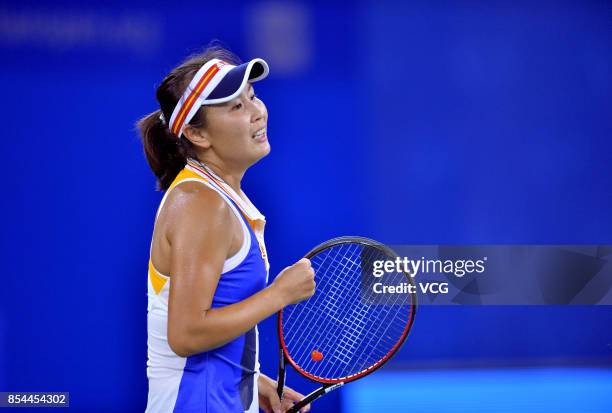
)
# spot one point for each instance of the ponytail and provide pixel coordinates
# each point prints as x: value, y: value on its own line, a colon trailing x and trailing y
x: 165, y: 153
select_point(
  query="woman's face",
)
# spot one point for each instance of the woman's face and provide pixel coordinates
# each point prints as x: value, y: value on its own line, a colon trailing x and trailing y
x: 236, y: 129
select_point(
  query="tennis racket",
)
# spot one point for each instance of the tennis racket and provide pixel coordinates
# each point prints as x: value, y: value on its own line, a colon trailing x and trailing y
x: 345, y: 331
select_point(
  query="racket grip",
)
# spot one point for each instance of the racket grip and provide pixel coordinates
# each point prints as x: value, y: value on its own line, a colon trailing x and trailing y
x: 281, y: 375
x: 293, y: 409
x: 312, y: 397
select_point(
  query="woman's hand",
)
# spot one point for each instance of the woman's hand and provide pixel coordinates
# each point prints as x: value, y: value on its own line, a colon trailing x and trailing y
x: 296, y: 282
x: 268, y: 399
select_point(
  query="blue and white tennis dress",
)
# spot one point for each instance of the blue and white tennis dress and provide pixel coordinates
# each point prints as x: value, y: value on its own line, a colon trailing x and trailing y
x: 224, y: 379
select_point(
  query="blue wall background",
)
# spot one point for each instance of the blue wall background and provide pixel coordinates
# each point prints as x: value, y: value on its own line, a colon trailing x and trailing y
x: 408, y: 123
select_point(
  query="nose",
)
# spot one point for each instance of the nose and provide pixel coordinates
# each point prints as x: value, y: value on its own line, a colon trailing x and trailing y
x: 257, y: 112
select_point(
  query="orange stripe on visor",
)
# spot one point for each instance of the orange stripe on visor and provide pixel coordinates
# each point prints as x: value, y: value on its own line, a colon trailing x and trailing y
x: 183, y: 113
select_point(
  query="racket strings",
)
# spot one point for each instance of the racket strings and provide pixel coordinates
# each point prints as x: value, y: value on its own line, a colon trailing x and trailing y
x: 353, y: 328
x: 376, y: 343
x: 392, y: 311
x: 325, y: 305
x: 295, y: 318
x: 328, y: 302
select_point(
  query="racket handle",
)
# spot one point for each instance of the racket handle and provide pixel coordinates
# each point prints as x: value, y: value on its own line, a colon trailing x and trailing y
x: 313, y: 396
x: 281, y: 375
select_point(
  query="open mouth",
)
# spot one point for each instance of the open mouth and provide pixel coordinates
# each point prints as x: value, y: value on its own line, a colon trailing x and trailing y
x: 260, y: 134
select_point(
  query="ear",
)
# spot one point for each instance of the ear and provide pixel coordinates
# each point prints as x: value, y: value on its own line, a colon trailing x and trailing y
x: 197, y: 136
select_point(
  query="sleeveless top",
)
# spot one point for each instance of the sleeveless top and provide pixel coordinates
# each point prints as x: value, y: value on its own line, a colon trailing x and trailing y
x: 223, y: 379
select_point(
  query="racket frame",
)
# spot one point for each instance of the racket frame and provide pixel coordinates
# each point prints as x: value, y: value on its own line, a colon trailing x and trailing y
x: 329, y: 385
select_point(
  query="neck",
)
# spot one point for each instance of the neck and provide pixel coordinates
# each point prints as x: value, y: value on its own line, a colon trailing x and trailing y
x: 231, y: 176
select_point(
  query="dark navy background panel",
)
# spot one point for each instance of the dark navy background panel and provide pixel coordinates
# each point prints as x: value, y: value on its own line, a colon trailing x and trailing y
x: 408, y: 123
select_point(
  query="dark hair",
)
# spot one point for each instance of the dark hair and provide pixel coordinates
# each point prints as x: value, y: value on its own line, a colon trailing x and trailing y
x: 167, y: 153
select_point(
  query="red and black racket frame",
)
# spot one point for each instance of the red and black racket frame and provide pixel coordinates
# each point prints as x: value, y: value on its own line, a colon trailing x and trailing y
x: 329, y: 385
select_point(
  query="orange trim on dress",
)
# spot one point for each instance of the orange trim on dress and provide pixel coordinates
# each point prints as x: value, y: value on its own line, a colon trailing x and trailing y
x: 157, y: 280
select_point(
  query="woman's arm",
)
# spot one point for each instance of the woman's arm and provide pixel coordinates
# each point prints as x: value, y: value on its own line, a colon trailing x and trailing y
x: 200, y: 240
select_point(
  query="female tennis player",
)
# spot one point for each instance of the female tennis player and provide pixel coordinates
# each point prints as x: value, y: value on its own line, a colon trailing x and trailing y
x: 208, y: 267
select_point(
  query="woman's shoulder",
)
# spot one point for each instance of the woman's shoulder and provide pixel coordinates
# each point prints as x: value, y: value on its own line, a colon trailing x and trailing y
x: 194, y: 201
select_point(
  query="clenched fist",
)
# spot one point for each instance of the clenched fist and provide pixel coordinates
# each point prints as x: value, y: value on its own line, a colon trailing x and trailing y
x: 296, y: 282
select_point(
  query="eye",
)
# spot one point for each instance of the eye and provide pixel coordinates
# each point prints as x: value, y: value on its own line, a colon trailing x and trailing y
x: 237, y: 106
x: 254, y: 96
